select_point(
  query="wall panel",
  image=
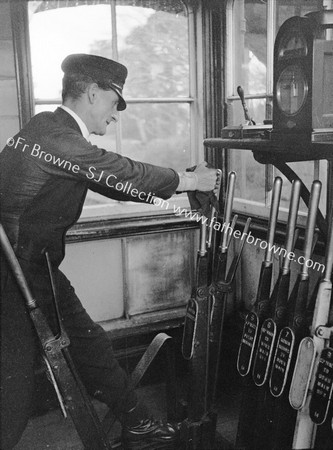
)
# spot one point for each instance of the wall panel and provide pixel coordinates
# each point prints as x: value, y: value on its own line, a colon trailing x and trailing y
x: 96, y: 272
x: 5, y: 23
x: 159, y: 271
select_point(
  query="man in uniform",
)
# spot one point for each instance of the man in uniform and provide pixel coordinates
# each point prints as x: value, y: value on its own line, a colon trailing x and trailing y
x: 45, y: 172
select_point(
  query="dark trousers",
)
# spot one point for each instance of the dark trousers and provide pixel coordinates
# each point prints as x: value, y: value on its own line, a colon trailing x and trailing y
x: 90, y: 349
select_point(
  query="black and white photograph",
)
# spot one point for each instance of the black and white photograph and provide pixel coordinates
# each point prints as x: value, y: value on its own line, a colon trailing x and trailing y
x: 166, y: 224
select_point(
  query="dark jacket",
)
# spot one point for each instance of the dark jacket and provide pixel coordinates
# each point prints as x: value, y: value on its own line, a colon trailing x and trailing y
x: 45, y: 171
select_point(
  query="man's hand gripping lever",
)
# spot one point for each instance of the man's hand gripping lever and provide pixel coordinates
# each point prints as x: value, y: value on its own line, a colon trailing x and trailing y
x: 203, y: 187
x: 208, y: 179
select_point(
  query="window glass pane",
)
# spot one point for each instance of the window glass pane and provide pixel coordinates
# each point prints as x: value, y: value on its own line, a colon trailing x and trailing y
x: 250, y: 174
x: 256, y: 107
x: 108, y: 141
x: 307, y: 171
x: 250, y: 46
x: 250, y: 183
x: 46, y: 107
x: 157, y: 134
x: 323, y: 177
x: 155, y: 50
x: 57, y: 32
x: 153, y: 44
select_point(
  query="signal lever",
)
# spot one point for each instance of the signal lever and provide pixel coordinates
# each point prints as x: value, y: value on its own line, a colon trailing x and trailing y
x: 249, y: 120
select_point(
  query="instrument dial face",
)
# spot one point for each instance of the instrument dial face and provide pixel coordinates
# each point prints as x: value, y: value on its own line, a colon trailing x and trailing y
x: 291, y: 89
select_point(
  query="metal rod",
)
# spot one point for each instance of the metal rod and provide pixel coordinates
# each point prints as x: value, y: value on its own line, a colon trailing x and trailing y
x: 311, y: 224
x: 291, y: 225
x: 228, y: 209
x: 273, y: 218
x: 19, y: 275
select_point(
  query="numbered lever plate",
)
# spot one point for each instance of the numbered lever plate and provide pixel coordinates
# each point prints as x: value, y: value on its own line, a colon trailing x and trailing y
x: 264, y: 352
x: 323, y: 387
x: 246, y: 347
x: 281, y: 361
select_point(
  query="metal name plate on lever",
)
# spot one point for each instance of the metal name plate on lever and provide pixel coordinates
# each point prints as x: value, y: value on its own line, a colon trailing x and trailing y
x: 189, y: 329
x: 302, y: 374
x: 246, y: 347
x: 264, y: 352
x: 323, y: 387
x: 281, y: 361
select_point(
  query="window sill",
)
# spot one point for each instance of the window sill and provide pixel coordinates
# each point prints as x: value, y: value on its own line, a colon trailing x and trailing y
x: 120, y: 219
x: 145, y: 323
x: 111, y: 227
x: 107, y: 208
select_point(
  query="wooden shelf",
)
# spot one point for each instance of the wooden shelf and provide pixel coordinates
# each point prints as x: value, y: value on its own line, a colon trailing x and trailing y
x: 279, y: 153
x: 267, y: 151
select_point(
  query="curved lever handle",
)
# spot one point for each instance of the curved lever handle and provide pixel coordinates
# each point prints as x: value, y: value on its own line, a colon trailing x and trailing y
x: 240, y: 92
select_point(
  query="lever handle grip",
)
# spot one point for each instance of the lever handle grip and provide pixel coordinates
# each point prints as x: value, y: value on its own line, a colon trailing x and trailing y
x: 240, y: 92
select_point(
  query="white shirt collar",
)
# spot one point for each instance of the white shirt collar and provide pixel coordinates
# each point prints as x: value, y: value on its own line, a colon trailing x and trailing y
x: 79, y: 121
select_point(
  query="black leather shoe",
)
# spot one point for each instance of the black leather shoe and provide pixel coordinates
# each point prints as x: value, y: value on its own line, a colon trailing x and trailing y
x: 150, y: 434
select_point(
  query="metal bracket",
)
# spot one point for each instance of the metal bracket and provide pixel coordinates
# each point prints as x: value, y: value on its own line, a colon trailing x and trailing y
x: 56, y: 344
x: 324, y: 332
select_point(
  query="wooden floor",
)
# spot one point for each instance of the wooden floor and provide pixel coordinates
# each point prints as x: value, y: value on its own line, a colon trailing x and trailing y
x: 52, y: 432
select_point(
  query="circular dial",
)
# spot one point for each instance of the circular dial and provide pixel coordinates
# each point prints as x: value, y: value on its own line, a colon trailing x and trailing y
x: 291, y: 89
